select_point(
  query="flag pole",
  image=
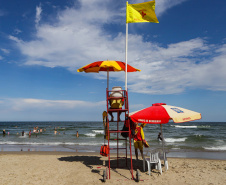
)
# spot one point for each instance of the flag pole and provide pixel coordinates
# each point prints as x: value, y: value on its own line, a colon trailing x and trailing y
x: 126, y: 49
x: 134, y: 17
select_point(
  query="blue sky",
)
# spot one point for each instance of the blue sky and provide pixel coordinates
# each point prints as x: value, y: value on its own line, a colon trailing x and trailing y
x: 43, y: 43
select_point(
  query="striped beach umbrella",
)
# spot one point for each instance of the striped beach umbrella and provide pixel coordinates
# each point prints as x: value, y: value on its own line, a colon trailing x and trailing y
x: 160, y: 113
x: 107, y: 66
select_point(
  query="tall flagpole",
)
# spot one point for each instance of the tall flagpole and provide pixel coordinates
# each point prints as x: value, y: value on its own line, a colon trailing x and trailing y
x: 135, y: 17
x: 126, y: 49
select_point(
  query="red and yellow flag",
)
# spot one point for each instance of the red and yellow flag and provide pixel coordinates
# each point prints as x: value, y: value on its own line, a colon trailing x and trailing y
x: 142, y: 12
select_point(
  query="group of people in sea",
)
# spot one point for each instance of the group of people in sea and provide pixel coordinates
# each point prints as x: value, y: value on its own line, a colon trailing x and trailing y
x: 57, y: 132
x: 37, y: 131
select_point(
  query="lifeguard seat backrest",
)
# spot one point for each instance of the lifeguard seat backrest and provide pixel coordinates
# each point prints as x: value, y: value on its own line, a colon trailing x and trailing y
x: 117, y: 92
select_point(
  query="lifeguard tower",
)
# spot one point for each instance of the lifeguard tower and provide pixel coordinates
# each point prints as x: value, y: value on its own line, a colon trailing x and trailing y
x: 114, y: 127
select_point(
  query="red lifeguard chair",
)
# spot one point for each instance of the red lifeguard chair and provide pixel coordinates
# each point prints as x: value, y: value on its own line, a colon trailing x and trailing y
x: 124, y: 112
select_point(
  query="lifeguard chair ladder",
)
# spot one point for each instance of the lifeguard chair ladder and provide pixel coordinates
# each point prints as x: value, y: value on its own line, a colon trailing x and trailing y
x: 124, y: 110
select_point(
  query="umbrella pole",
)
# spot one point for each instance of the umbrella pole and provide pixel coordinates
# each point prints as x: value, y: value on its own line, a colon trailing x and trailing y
x: 162, y: 138
x: 108, y: 79
x: 163, y: 145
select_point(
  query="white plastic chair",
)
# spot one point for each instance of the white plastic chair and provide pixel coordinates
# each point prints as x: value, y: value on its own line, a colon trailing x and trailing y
x: 152, y: 159
x: 162, y: 156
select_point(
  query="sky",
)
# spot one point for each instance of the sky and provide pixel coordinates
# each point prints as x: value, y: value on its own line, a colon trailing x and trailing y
x: 42, y: 44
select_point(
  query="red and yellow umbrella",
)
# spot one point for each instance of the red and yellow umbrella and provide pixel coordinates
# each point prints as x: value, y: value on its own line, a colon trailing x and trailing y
x: 108, y: 66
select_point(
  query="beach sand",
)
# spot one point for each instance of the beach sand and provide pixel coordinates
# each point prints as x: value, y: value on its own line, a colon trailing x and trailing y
x: 53, y: 168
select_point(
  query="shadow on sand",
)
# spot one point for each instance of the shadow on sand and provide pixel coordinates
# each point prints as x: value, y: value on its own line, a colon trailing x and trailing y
x: 96, y: 164
x: 89, y: 161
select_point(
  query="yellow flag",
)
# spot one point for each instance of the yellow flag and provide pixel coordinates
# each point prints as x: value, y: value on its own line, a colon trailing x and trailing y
x: 142, y: 12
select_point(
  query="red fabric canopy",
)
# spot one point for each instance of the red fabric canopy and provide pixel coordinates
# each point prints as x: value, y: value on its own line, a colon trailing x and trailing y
x: 98, y: 66
x: 160, y: 113
x: 156, y: 114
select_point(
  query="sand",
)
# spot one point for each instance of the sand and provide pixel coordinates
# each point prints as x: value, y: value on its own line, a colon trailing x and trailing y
x: 53, y: 168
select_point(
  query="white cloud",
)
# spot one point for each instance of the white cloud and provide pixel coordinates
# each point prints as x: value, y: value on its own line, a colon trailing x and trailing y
x: 38, y: 14
x: 6, y: 51
x: 31, y: 109
x: 77, y: 36
x: 211, y: 74
x: 19, y: 41
x: 179, y: 66
x: 163, y: 5
x: 17, y: 31
x: 20, y: 104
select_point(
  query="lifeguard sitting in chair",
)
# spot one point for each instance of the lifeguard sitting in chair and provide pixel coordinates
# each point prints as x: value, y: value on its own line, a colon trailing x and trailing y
x: 117, y: 102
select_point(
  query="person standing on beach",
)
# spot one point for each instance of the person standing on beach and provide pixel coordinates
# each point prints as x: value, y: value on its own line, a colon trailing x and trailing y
x: 138, y: 140
x: 77, y: 135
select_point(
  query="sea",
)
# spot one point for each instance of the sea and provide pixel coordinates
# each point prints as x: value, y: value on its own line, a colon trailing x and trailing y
x: 205, y: 140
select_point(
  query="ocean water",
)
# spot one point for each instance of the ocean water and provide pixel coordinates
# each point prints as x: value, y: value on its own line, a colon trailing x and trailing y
x: 192, y: 139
